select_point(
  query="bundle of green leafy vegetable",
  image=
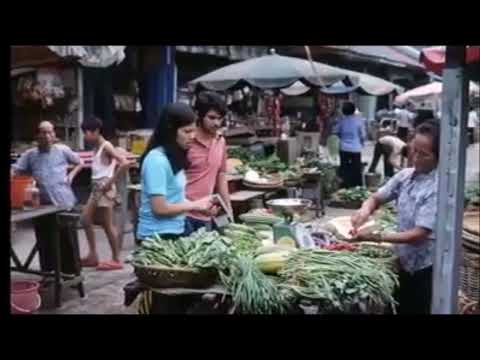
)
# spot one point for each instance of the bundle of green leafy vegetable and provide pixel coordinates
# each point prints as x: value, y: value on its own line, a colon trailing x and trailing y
x: 355, y: 194
x: 244, y: 239
x: 240, y: 153
x: 201, y: 249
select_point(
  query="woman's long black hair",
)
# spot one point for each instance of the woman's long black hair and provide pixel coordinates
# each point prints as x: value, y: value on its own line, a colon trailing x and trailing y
x: 172, y: 117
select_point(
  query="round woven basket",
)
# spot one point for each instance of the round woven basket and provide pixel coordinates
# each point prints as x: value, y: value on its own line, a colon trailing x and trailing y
x: 471, y: 242
x: 466, y: 306
x: 471, y: 223
x: 165, y: 277
x: 470, y: 275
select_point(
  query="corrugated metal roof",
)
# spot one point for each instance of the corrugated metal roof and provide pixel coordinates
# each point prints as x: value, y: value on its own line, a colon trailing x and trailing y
x: 388, y: 54
x: 231, y: 52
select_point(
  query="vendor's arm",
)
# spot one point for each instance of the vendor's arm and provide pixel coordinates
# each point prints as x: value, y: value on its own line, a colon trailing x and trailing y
x: 160, y: 206
x: 222, y: 183
x: 122, y: 164
x: 155, y: 175
x: 404, y: 237
x: 23, y: 165
x: 72, y: 158
x: 384, y: 195
x: 414, y: 235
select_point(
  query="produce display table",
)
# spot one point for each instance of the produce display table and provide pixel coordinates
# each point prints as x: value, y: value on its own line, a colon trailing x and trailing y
x: 49, y: 211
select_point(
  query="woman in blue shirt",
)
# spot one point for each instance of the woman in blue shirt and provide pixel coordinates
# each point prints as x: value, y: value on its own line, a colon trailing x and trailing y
x: 163, y: 204
x: 352, y: 133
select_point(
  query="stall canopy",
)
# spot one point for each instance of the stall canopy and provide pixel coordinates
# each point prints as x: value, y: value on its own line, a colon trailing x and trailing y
x: 434, y: 60
x: 366, y: 84
x: 272, y: 72
x: 92, y: 56
x: 429, y: 92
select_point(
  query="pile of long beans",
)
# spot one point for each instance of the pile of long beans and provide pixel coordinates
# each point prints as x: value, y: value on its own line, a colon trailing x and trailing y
x: 252, y: 291
x: 340, y: 280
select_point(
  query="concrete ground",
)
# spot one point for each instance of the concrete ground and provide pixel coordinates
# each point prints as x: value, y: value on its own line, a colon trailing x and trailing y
x: 105, y: 289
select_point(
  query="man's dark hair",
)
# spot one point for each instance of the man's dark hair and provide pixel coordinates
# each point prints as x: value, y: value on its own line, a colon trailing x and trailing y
x: 207, y: 101
x: 404, y: 151
x: 431, y: 128
x: 93, y: 123
x: 348, y: 108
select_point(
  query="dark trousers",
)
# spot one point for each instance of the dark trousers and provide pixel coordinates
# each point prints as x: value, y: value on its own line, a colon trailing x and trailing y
x: 351, y: 169
x: 414, y: 294
x: 471, y: 139
x: 45, y: 228
x: 402, y: 133
x: 379, y: 151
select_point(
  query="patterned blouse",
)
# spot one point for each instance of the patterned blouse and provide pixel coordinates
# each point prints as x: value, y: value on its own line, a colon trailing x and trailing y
x: 416, y: 201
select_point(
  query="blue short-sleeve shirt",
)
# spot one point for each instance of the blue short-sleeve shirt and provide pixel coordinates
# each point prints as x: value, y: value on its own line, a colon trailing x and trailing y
x: 158, y: 179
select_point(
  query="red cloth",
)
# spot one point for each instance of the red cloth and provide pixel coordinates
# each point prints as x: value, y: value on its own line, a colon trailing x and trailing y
x: 434, y: 58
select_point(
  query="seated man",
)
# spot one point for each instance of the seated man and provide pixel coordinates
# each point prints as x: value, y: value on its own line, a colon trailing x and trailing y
x: 48, y: 165
x: 394, y: 152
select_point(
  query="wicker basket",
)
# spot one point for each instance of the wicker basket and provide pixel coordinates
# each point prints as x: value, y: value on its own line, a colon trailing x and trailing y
x: 466, y: 306
x: 165, y: 277
x: 471, y: 242
x: 470, y: 276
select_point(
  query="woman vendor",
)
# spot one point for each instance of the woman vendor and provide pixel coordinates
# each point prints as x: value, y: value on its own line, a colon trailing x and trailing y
x: 415, y: 192
x: 163, y: 205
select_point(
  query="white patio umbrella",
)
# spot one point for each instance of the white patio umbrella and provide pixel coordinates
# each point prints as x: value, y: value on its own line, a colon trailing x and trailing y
x: 428, y: 93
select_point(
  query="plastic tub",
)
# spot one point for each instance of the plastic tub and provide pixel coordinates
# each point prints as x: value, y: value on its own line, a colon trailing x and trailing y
x: 18, y: 184
x: 24, y: 297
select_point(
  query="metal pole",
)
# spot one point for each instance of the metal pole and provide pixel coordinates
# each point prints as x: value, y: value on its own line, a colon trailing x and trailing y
x: 451, y: 183
x: 79, y: 137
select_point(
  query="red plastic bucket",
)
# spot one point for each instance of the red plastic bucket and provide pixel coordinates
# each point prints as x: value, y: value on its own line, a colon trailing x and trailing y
x: 24, y: 297
x: 18, y: 184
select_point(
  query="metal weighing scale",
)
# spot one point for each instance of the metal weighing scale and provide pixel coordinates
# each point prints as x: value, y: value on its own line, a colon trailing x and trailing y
x: 289, y: 227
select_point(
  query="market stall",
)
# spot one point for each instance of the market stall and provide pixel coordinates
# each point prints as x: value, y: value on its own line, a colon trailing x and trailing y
x: 271, y: 264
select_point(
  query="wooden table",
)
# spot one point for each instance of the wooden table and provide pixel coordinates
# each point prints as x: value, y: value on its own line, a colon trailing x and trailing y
x: 22, y: 215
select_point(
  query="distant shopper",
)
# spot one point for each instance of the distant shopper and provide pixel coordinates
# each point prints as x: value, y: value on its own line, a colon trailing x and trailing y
x: 394, y: 152
x: 351, y: 129
x: 472, y: 123
x: 404, y: 123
